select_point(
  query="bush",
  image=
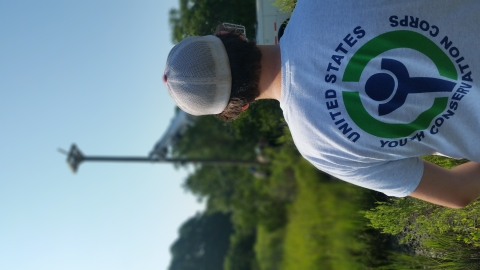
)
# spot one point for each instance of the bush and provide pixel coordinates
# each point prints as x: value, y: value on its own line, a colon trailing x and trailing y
x: 449, y: 236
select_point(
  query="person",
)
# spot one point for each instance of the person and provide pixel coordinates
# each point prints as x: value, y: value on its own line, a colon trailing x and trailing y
x: 366, y: 88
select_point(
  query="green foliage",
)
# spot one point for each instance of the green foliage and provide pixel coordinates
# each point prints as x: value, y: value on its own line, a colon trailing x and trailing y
x: 212, y: 138
x: 230, y: 189
x: 453, y: 254
x: 403, y: 261
x: 418, y: 221
x: 302, y: 218
x: 262, y: 119
x: 322, y: 225
x: 241, y: 255
x: 450, y: 236
x: 269, y: 248
x: 202, y: 244
x: 201, y: 17
x: 444, y: 161
x: 286, y: 5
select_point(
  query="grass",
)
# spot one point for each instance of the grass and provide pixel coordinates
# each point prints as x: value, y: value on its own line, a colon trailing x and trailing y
x: 325, y: 226
x: 269, y: 248
x: 322, y: 225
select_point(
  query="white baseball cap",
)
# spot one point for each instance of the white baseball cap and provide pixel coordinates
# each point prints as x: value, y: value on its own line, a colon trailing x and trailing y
x: 198, y: 75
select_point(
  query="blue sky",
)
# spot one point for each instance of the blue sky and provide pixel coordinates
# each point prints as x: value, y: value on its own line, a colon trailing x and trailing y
x: 90, y: 73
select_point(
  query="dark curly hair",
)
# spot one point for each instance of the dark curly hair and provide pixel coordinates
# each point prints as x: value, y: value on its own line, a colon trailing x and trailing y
x: 244, y: 57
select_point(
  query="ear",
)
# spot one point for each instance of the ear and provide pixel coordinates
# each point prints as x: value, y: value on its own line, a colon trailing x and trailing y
x: 244, y: 107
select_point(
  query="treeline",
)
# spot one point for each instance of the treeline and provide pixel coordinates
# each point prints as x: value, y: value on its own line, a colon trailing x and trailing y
x: 233, y: 191
x: 298, y: 218
x: 292, y: 216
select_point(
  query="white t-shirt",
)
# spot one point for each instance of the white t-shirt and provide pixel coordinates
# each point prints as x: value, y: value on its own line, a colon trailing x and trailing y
x: 369, y: 86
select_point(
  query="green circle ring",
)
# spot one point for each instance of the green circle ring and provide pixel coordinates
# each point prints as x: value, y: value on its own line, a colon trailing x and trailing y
x: 373, y: 48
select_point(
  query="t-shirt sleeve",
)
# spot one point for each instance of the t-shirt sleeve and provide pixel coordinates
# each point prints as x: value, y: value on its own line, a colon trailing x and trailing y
x: 398, y: 178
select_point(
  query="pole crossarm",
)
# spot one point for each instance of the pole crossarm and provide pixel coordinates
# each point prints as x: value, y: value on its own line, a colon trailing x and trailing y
x: 75, y: 157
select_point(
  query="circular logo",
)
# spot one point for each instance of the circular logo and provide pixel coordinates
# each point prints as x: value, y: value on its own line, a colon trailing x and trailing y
x: 382, y: 87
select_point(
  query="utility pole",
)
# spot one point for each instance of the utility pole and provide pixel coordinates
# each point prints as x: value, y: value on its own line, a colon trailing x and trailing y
x: 75, y: 157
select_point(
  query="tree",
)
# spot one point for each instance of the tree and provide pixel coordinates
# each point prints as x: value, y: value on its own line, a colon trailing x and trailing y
x: 233, y: 188
x: 200, y: 17
x: 241, y: 255
x: 203, y: 243
x: 212, y: 138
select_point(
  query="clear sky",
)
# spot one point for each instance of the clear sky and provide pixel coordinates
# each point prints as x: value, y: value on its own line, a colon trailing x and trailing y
x: 88, y: 72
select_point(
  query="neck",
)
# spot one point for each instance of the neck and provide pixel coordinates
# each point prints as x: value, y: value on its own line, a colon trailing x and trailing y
x: 270, y: 86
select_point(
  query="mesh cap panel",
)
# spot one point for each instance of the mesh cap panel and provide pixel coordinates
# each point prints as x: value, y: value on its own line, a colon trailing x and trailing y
x: 198, y: 75
x: 197, y: 97
x: 188, y: 65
